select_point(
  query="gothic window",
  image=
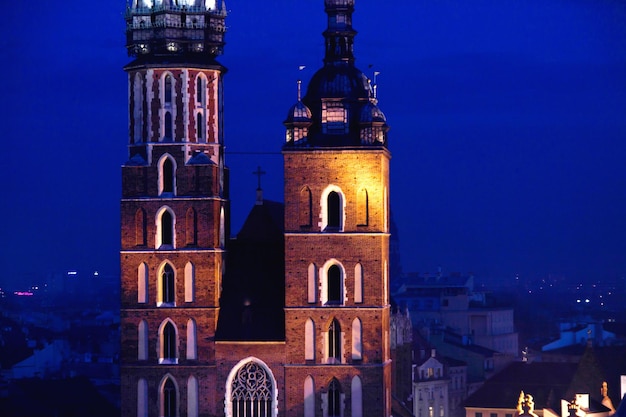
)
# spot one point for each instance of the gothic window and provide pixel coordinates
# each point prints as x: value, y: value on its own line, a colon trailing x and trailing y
x: 358, y: 283
x: 309, y: 397
x: 167, y: 90
x: 165, y: 229
x: 334, y: 210
x: 312, y: 283
x: 200, y: 90
x: 357, y: 339
x: 190, y: 278
x: 222, y: 242
x: 168, y: 134
x: 168, y: 343
x: 166, y: 289
x: 192, y: 344
x: 334, y: 286
x: 334, y: 342
x: 169, y: 398
x: 192, y: 396
x: 362, y: 208
x: 142, y: 398
x: 137, y: 108
x: 305, y: 208
x: 200, y: 127
x: 140, y: 227
x: 309, y: 340
x: 190, y: 227
x: 167, y: 175
x: 252, y: 392
x: 357, y: 397
x: 334, y: 399
x: 142, y: 342
x: 142, y: 283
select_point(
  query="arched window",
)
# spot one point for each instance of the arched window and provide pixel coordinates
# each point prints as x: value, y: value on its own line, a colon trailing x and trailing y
x: 167, y: 89
x: 357, y: 397
x: 222, y: 228
x: 362, y: 208
x: 357, y: 339
x: 334, y: 338
x: 334, y: 210
x: 166, y: 291
x: 309, y: 397
x: 168, y: 133
x: 309, y: 340
x: 140, y: 227
x: 200, y: 127
x: 251, y: 391
x: 167, y: 176
x: 190, y: 282
x: 168, y: 337
x: 358, y: 283
x: 142, y: 398
x: 142, y: 342
x: 306, y: 207
x: 165, y: 229
x: 334, y: 399
x: 192, y: 397
x: 142, y: 283
x: 312, y: 283
x: 169, y: 398
x: 190, y: 227
x: 192, y: 344
x: 200, y: 90
x: 334, y: 285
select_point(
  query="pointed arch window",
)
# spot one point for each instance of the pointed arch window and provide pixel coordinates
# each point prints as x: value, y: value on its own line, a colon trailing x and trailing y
x: 168, y: 133
x: 165, y: 229
x: 334, y: 399
x: 142, y: 398
x: 357, y: 339
x: 357, y: 397
x: 312, y: 283
x: 192, y: 396
x: 358, y: 283
x: 309, y: 397
x: 142, y: 343
x: 309, y: 340
x: 168, y: 85
x: 190, y: 282
x: 169, y: 398
x: 200, y: 90
x: 252, y: 392
x: 334, y: 210
x: 140, y: 227
x: 168, y: 343
x: 167, y: 287
x: 142, y: 283
x: 334, y: 342
x: 167, y: 176
x: 138, y: 108
x: 200, y: 127
x: 334, y: 285
x: 192, y: 344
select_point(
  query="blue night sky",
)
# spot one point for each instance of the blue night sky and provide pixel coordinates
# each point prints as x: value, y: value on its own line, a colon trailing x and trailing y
x: 508, y: 128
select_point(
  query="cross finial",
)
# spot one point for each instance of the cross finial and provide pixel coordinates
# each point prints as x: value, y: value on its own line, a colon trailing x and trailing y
x: 258, y: 173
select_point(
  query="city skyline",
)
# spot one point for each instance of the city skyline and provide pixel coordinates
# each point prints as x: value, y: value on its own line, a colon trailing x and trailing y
x: 507, y: 127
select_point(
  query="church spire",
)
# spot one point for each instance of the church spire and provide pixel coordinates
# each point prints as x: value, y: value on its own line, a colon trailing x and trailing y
x: 339, y: 35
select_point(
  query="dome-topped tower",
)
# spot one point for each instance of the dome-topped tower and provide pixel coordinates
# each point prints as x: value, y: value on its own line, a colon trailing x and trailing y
x: 339, y: 93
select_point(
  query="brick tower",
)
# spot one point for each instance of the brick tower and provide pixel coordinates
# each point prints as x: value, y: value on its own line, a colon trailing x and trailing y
x: 174, y: 208
x: 336, y: 166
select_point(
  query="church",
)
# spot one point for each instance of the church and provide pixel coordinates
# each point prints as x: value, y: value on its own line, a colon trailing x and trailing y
x: 292, y: 316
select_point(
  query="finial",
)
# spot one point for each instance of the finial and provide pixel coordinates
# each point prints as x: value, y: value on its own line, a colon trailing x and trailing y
x: 259, y: 190
x: 300, y: 68
x: 376, y: 73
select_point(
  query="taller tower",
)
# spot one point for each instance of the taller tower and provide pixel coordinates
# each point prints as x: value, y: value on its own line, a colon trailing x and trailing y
x: 174, y: 208
x: 336, y: 165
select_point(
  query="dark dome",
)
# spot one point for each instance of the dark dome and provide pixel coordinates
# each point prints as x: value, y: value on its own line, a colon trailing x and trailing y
x: 337, y: 81
x: 298, y: 113
x: 371, y: 113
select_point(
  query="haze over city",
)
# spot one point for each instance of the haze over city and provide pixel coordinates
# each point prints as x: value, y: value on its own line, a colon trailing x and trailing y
x: 507, y: 128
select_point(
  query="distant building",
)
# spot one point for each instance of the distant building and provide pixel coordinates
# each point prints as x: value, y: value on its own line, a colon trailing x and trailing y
x: 572, y: 333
